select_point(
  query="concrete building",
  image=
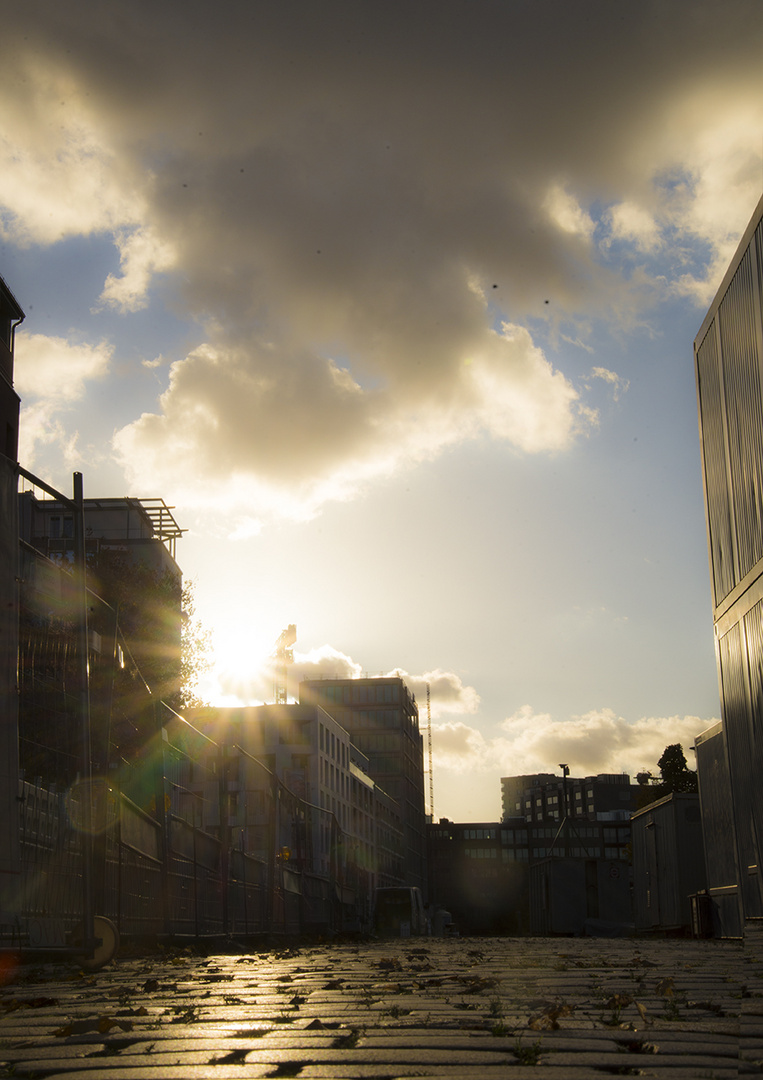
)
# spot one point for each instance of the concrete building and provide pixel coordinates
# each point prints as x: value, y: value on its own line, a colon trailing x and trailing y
x: 130, y: 547
x: 728, y: 355
x: 540, y: 797
x: 382, y: 719
x: 336, y: 802
x: 136, y: 530
x: 478, y: 871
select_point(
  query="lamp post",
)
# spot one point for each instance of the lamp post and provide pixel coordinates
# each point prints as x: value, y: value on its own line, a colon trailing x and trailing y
x: 565, y: 773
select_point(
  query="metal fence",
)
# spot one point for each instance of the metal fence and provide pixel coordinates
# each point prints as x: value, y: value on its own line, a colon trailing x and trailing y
x: 158, y: 872
x: 128, y: 812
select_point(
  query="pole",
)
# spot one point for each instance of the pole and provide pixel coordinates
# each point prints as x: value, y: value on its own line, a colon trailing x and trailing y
x: 85, y: 765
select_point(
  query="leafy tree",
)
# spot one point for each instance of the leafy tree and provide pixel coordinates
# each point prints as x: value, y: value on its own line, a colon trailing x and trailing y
x: 674, y: 770
x: 675, y: 775
x: 195, y: 651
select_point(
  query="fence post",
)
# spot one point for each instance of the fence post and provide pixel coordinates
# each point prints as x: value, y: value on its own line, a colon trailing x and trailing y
x: 161, y: 817
x: 85, y: 763
x: 224, y: 834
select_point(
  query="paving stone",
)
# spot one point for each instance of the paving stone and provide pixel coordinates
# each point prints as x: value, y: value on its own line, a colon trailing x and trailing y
x: 463, y: 1008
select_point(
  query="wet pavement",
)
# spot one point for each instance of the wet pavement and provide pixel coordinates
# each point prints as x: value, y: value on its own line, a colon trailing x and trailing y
x: 464, y: 1007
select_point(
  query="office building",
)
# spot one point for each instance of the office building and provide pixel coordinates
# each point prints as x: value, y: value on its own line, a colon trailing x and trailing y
x: 382, y: 719
x: 339, y: 822
x: 540, y: 797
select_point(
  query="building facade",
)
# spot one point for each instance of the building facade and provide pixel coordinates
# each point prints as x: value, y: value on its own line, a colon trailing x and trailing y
x: 540, y: 797
x: 481, y: 872
x: 382, y: 719
x: 341, y: 822
x: 728, y: 356
x: 478, y: 871
x: 668, y: 863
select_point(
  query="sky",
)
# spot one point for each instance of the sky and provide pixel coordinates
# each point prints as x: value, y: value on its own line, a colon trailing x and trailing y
x: 394, y: 303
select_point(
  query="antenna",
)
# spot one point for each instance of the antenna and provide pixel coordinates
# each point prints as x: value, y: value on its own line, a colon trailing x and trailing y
x: 283, y: 656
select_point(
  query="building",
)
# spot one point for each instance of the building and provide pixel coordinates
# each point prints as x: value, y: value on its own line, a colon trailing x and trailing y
x: 134, y: 629
x: 483, y: 872
x: 10, y: 316
x: 540, y: 797
x: 728, y: 356
x: 130, y: 547
x: 668, y: 863
x: 718, y: 833
x: 339, y: 823
x: 574, y: 896
x: 133, y: 530
x: 478, y: 872
x: 382, y: 719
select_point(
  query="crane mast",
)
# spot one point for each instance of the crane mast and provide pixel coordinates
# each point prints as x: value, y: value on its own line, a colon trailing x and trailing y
x: 429, y: 756
x: 284, y: 656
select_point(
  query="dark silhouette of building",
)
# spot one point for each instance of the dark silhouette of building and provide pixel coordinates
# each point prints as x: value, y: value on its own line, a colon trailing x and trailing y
x: 668, y: 863
x: 478, y: 872
x: 540, y: 796
x: 728, y: 355
x: 134, y: 629
x: 382, y: 719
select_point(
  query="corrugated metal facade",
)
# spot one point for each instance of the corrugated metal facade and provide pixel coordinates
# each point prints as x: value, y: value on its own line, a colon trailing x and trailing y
x: 728, y: 355
x: 668, y: 862
x: 718, y: 832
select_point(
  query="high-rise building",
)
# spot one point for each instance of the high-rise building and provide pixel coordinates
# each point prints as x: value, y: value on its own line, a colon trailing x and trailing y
x: 382, y: 719
x: 728, y: 355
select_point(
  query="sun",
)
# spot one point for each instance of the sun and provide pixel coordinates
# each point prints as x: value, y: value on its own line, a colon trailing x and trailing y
x: 241, y: 670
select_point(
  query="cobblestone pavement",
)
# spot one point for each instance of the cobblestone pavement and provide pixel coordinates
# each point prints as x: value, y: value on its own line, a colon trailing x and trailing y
x: 470, y: 1007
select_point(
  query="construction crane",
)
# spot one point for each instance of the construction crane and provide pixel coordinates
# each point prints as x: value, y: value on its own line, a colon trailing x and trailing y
x: 284, y: 656
x: 429, y: 756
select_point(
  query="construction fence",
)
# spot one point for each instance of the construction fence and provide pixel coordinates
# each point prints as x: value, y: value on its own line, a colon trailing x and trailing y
x: 160, y: 874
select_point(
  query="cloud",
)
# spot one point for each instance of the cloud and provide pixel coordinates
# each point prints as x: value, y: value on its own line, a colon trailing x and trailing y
x: 617, y: 384
x: 323, y: 662
x: 238, y: 683
x: 594, y: 742
x: 288, y: 430
x: 51, y: 375
x: 362, y: 241
x: 633, y: 223
x: 141, y: 255
x: 447, y: 692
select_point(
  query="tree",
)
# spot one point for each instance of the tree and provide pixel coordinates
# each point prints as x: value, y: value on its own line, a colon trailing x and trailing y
x: 675, y: 776
x: 675, y: 772
x: 195, y: 651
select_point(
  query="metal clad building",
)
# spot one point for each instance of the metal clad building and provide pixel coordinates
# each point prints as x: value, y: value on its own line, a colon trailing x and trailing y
x: 728, y: 356
x: 668, y: 862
